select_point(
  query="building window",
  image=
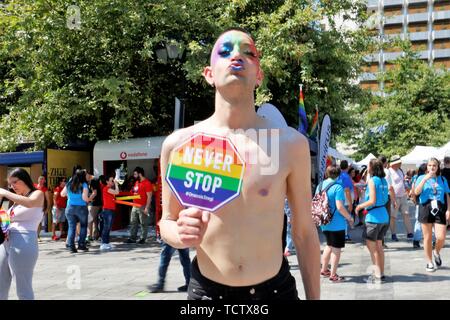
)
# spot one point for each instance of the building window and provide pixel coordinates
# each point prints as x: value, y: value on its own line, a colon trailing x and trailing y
x: 442, y: 44
x: 441, y: 6
x: 422, y: 8
x: 417, y: 27
x: 442, y: 63
x: 395, y: 29
x: 442, y: 25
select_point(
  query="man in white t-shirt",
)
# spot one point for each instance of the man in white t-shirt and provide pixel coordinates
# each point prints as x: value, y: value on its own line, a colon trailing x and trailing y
x: 391, y: 200
x: 401, y: 199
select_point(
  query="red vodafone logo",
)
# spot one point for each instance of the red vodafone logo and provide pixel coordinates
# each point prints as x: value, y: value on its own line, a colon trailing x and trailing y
x: 123, y: 155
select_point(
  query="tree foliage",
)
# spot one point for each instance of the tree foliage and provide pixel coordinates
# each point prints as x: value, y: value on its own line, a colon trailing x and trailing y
x: 414, y: 111
x: 104, y: 81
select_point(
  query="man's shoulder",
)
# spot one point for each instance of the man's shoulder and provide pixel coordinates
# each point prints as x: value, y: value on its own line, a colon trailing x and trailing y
x: 291, y: 137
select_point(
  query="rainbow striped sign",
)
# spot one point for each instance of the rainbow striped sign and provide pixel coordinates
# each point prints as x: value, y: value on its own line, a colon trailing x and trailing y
x: 205, y: 172
x: 5, y: 221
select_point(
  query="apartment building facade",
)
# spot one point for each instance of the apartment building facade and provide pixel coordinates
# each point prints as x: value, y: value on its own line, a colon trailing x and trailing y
x: 425, y: 22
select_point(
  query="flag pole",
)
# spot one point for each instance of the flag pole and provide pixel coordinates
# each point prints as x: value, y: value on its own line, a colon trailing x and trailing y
x: 318, y: 149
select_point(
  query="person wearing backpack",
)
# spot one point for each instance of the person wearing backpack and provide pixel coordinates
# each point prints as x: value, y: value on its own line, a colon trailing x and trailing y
x: 377, y: 218
x: 334, y: 231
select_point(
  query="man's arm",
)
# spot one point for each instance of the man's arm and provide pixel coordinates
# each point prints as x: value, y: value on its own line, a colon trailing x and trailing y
x: 149, y: 201
x: 49, y: 203
x: 304, y: 232
x: 55, y: 195
x: 348, y: 197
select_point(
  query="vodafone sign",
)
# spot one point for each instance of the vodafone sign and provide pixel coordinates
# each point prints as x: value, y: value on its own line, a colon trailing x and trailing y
x: 124, y: 155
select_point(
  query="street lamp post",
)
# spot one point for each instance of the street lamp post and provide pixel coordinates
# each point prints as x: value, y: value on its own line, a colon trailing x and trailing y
x: 174, y: 51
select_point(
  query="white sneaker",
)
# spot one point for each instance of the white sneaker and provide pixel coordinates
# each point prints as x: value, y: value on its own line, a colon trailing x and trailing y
x: 109, y: 246
x: 430, y: 267
x: 104, y: 246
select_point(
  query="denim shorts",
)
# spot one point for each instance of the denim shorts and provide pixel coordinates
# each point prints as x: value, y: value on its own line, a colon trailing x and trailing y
x: 58, y: 215
x: 281, y: 287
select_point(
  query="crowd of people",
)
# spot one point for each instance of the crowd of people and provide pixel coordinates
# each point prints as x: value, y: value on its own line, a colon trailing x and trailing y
x: 379, y: 193
x: 83, y: 211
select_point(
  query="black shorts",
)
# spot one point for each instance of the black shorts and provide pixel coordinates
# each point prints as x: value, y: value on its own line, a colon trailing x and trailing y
x: 335, y: 239
x: 375, y: 231
x: 425, y: 215
x: 281, y: 287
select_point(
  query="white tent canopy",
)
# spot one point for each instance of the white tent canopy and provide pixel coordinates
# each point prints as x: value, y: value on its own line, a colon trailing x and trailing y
x: 442, y: 152
x: 337, y: 155
x: 419, y: 155
x: 366, y: 160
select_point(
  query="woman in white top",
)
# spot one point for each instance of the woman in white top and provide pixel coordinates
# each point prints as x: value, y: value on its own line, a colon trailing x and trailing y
x: 19, y: 252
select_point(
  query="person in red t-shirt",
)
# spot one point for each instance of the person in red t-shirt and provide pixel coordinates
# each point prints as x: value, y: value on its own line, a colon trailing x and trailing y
x: 41, y: 186
x: 109, y: 193
x: 59, y: 208
x: 141, y: 215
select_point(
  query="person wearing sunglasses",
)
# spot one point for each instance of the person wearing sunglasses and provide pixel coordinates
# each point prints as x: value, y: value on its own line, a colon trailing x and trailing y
x: 433, y: 190
x: 19, y: 252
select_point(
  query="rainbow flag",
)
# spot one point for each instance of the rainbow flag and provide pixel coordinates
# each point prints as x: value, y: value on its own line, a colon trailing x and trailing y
x: 315, y: 125
x: 5, y: 221
x: 303, y: 121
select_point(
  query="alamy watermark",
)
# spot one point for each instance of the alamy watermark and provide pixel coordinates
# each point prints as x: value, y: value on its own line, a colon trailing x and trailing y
x: 74, y: 280
x: 73, y: 14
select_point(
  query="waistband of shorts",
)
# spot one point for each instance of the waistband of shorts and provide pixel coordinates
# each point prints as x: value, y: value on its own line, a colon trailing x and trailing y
x: 22, y: 231
x: 281, y: 276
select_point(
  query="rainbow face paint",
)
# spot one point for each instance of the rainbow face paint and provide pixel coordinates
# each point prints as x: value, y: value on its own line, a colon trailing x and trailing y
x: 231, y: 43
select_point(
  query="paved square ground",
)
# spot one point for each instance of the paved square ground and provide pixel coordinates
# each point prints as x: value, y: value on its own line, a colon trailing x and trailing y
x: 127, y: 271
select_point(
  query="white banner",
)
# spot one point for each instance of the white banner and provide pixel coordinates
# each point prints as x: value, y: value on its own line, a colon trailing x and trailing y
x: 324, y: 143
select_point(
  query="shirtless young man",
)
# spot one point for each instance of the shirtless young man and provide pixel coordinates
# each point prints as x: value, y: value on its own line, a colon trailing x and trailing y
x: 239, y: 247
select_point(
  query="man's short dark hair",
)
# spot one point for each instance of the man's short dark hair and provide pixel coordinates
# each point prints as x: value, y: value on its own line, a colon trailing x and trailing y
x: 333, y: 172
x: 447, y: 160
x: 139, y: 170
x: 344, y: 165
x: 382, y: 158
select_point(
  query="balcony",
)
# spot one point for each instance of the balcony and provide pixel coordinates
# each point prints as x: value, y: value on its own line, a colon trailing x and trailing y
x: 441, y: 53
x: 375, y: 57
x: 441, y: 15
x: 417, y: 1
x: 391, y: 3
x: 441, y: 34
x: 394, y: 20
x: 417, y: 17
x: 368, y: 76
x: 389, y: 56
x: 418, y: 36
x: 372, y: 4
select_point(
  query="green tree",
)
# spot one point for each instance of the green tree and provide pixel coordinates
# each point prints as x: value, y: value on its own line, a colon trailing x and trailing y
x: 59, y: 83
x: 414, y: 111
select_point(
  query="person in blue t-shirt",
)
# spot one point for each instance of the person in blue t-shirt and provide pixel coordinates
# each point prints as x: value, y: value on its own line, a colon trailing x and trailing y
x: 335, y: 230
x: 377, y: 218
x: 433, y: 192
x: 347, y: 184
x: 76, y: 191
